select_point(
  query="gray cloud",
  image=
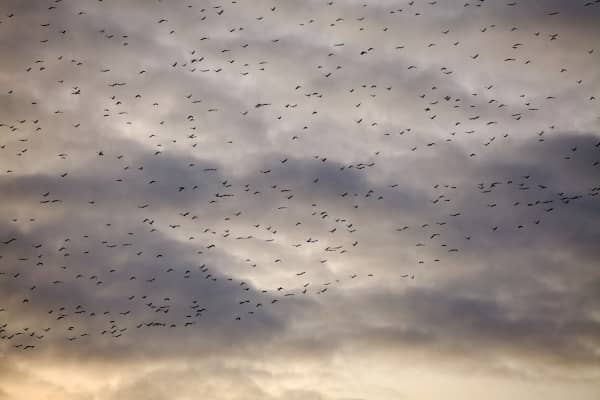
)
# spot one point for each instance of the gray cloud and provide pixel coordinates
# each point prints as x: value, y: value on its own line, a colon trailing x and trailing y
x: 352, y: 191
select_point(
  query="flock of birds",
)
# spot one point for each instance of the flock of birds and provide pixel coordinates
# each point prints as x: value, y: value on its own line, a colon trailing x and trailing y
x: 147, y: 279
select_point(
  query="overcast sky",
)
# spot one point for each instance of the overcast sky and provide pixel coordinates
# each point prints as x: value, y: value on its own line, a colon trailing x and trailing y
x: 299, y: 200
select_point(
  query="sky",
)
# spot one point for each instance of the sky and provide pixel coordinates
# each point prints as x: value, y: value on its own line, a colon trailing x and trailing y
x: 299, y: 200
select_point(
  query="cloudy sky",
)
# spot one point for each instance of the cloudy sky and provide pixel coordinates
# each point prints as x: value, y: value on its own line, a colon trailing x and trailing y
x: 299, y: 200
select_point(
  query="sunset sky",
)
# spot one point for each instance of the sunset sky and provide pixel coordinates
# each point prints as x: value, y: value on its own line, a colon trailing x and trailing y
x: 299, y: 200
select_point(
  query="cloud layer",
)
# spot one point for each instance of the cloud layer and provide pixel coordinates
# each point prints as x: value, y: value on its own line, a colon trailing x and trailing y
x: 317, y: 201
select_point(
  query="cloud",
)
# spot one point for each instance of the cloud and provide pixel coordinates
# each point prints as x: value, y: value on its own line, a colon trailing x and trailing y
x: 326, y: 201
